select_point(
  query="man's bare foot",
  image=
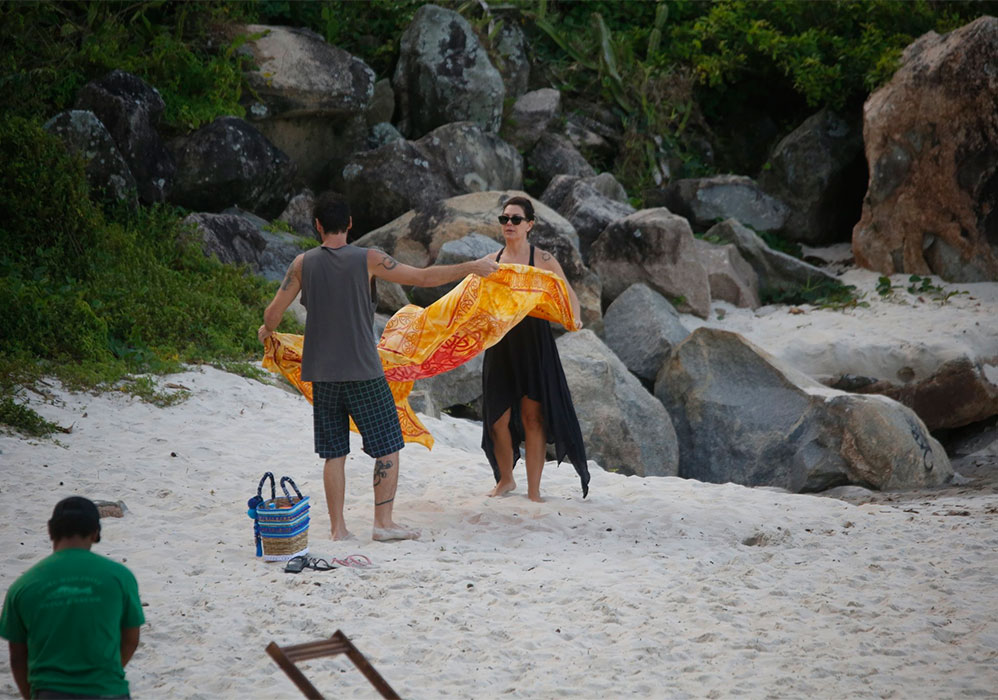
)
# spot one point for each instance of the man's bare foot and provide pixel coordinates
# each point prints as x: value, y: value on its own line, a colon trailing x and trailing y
x: 342, y: 534
x: 502, y: 488
x: 394, y: 532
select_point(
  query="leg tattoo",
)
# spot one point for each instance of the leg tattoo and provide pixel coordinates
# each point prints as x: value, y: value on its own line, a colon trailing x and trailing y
x: 381, y: 469
x: 381, y: 503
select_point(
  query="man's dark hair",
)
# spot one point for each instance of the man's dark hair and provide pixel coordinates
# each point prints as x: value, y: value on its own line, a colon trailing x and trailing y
x: 333, y: 212
x: 74, y: 516
x: 524, y: 203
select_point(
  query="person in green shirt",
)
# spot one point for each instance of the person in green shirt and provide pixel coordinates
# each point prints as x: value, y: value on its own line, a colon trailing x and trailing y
x: 72, y: 620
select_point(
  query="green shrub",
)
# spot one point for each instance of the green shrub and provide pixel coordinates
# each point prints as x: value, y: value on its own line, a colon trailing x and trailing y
x: 825, y: 294
x: 52, y: 49
x: 24, y: 419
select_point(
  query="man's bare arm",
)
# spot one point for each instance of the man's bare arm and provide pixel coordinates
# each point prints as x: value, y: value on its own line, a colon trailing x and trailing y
x: 286, y: 294
x: 129, y: 643
x: 384, y: 266
x: 19, y: 667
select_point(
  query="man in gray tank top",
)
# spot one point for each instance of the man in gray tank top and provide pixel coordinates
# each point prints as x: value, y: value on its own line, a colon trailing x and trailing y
x: 340, y: 356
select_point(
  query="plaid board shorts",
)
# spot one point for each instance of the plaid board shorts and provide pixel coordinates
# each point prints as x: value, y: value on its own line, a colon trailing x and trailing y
x: 372, y: 407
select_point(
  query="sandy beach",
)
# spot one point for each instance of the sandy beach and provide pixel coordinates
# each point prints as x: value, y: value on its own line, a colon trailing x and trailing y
x: 651, y: 587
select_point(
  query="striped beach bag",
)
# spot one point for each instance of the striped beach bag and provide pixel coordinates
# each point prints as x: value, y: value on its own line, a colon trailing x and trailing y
x: 281, y: 524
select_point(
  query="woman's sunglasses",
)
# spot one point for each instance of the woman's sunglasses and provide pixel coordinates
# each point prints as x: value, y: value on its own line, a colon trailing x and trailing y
x: 516, y: 219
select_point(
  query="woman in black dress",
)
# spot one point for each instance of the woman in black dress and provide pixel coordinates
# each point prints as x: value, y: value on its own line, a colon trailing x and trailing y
x: 525, y: 395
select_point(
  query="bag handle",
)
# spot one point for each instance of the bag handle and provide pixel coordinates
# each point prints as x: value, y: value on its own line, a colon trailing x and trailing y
x: 273, y: 489
x: 289, y: 480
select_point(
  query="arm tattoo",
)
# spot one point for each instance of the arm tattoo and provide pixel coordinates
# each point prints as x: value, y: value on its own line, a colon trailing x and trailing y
x: 388, y: 262
x: 287, y: 278
x: 545, y: 255
x: 381, y: 503
x: 381, y: 468
x: 290, y: 275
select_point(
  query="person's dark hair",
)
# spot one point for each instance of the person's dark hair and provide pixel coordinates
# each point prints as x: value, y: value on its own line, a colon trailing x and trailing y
x: 74, y: 516
x: 524, y: 203
x: 333, y: 212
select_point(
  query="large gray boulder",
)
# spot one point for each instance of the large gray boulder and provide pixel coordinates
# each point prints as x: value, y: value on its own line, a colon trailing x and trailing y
x: 130, y: 109
x: 656, y: 247
x: 586, y: 207
x: 706, y: 200
x: 743, y: 416
x: 642, y: 328
x: 532, y: 113
x: 459, y: 387
x: 107, y: 172
x: 309, y: 98
x: 624, y: 427
x: 239, y: 237
x: 382, y: 106
x: 444, y: 75
x: 941, y: 363
x: 514, y: 65
x: 819, y: 172
x: 454, y: 159
x: 605, y: 184
x: 299, y: 215
x: 554, y: 155
x: 775, y: 270
x: 231, y: 238
x: 731, y: 278
x: 471, y: 247
x: 230, y: 163
x: 593, y: 128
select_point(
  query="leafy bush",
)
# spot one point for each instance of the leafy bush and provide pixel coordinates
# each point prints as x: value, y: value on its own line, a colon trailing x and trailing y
x: 19, y: 416
x: 51, y: 50
x: 92, y: 297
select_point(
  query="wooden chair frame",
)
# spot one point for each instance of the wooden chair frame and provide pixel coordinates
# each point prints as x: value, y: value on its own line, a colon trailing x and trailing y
x: 287, y: 658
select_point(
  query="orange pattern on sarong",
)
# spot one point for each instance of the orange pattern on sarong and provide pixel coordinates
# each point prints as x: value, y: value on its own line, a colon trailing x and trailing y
x: 423, y: 342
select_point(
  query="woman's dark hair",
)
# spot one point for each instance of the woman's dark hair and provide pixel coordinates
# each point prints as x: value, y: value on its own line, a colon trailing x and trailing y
x: 523, y: 203
x: 332, y: 211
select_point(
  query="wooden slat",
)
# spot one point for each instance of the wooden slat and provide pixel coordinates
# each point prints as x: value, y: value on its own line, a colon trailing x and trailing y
x: 339, y: 643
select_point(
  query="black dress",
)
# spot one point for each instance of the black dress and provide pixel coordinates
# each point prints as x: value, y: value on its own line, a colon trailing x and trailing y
x: 526, y: 363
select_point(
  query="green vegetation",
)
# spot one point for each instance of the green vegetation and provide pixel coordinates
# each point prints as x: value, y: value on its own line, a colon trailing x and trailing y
x: 52, y: 49
x: 918, y: 286
x: 95, y: 296
x: 825, y: 294
x: 22, y: 418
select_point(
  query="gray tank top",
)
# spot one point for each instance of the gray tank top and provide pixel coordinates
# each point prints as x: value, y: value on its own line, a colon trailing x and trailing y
x: 339, y: 330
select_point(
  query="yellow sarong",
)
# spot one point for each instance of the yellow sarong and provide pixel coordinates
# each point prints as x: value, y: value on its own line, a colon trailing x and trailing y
x: 419, y: 343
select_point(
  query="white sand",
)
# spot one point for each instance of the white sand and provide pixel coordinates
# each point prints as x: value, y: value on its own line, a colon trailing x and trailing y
x: 645, y: 589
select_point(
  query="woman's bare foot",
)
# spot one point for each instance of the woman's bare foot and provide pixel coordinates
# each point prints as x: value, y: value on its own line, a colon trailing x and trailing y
x: 502, y: 488
x: 394, y: 532
x: 342, y: 534
x: 535, y: 497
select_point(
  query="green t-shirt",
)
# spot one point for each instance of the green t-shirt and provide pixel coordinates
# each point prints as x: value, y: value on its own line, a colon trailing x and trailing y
x: 69, y: 609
